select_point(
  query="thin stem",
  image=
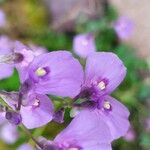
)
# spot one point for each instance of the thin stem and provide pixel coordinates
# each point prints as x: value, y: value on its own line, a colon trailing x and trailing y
x: 19, y: 101
x: 77, y: 97
x: 30, y: 135
x: 2, y: 102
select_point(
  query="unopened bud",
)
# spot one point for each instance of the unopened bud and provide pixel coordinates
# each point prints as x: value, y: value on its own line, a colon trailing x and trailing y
x: 59, y: 116
x: 13, y: 117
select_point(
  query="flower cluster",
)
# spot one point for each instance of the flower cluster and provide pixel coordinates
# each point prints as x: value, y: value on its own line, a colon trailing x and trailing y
x: 98, y: 118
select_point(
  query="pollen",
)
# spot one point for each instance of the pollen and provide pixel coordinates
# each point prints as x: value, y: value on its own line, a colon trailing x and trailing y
x: 107, y: 105
x: 73, y: 148
x: 40, y: 72
x: 36, y: 103
x: 102, y: 85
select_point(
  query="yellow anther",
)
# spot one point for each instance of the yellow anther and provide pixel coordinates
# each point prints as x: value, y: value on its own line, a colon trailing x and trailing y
x: 40, y: 72
x: 107, y: 105
x: 102, y: 85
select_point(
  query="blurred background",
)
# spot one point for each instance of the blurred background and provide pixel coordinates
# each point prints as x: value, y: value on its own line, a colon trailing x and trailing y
x: 120, y: 27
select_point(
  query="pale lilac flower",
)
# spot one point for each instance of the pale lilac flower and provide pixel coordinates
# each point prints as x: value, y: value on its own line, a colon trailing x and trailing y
x: 124, y: 27
x: 27, y: 57
x: 36, y: 109
x: 37, y: 112
x: 147, y: 124
x: 130, y: 135
x: 2, y: 19
x: 13, y: 117
x: 17, y: 55
x: 2, y: 118
x: 103, y: 73
x: 25, y: 147
x: 59, y: 116
x: 38, y: 49
x: 9, y: 133
x: 5, y: 49
x: 84, y: 44
x: 82, y: 134
x: 56, y: 73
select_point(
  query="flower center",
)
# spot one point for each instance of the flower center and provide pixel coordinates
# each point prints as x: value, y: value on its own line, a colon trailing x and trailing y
x: 41, y: 72
x: 36, y: 103
x: 107, y: 105
x: 73, y: 148
x: 102, y: 85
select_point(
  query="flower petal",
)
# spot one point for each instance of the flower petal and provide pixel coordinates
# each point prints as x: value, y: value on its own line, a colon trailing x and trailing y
x: 65, y: 74
x: 84, y: 44
x: 6, y: 45
x: 28, y: 56
x: 36, y: 116
x: 6, y: 70
x: 86, y: 129
x: 9, y: 133
x: 124, y: 27
x: 117, y: 118
x: 99, y: 147
x: 105, y: 66
x: 25, y: 147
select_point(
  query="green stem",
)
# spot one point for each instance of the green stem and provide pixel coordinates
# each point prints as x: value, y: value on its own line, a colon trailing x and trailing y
x: 3, y: 103
x: 30, y: 135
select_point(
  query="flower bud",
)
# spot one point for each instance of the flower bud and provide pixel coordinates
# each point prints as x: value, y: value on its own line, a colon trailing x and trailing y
x: 13, y: 117
x: 59, y: 116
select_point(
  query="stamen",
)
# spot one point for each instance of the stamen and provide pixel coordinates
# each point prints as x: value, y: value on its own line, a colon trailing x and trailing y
x: 73, y: 148
x: 101, y: 85
x: 107, y: 105
x: 40, y: 72
x: 36, y: 103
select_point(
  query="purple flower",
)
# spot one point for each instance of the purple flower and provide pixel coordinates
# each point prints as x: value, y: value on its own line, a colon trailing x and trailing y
x: 147, y: 124
x: 124, y: 27
x: 27, y: 57
x: 38, y: 49
x: 5, y: 49
x: 103, y: 73
x: 37, y: 112
x: 131, y: 135
x: 13, y: 117
x: 25, y: 147
x: 56, y: 73
x: 2, y: 118
x: 84, y: 44
x: 15, y: 54
x: 59, y: 116
x: 36, y: 109
x: 9, y: 133
x: 2, y: 18
x: 82, y: 134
